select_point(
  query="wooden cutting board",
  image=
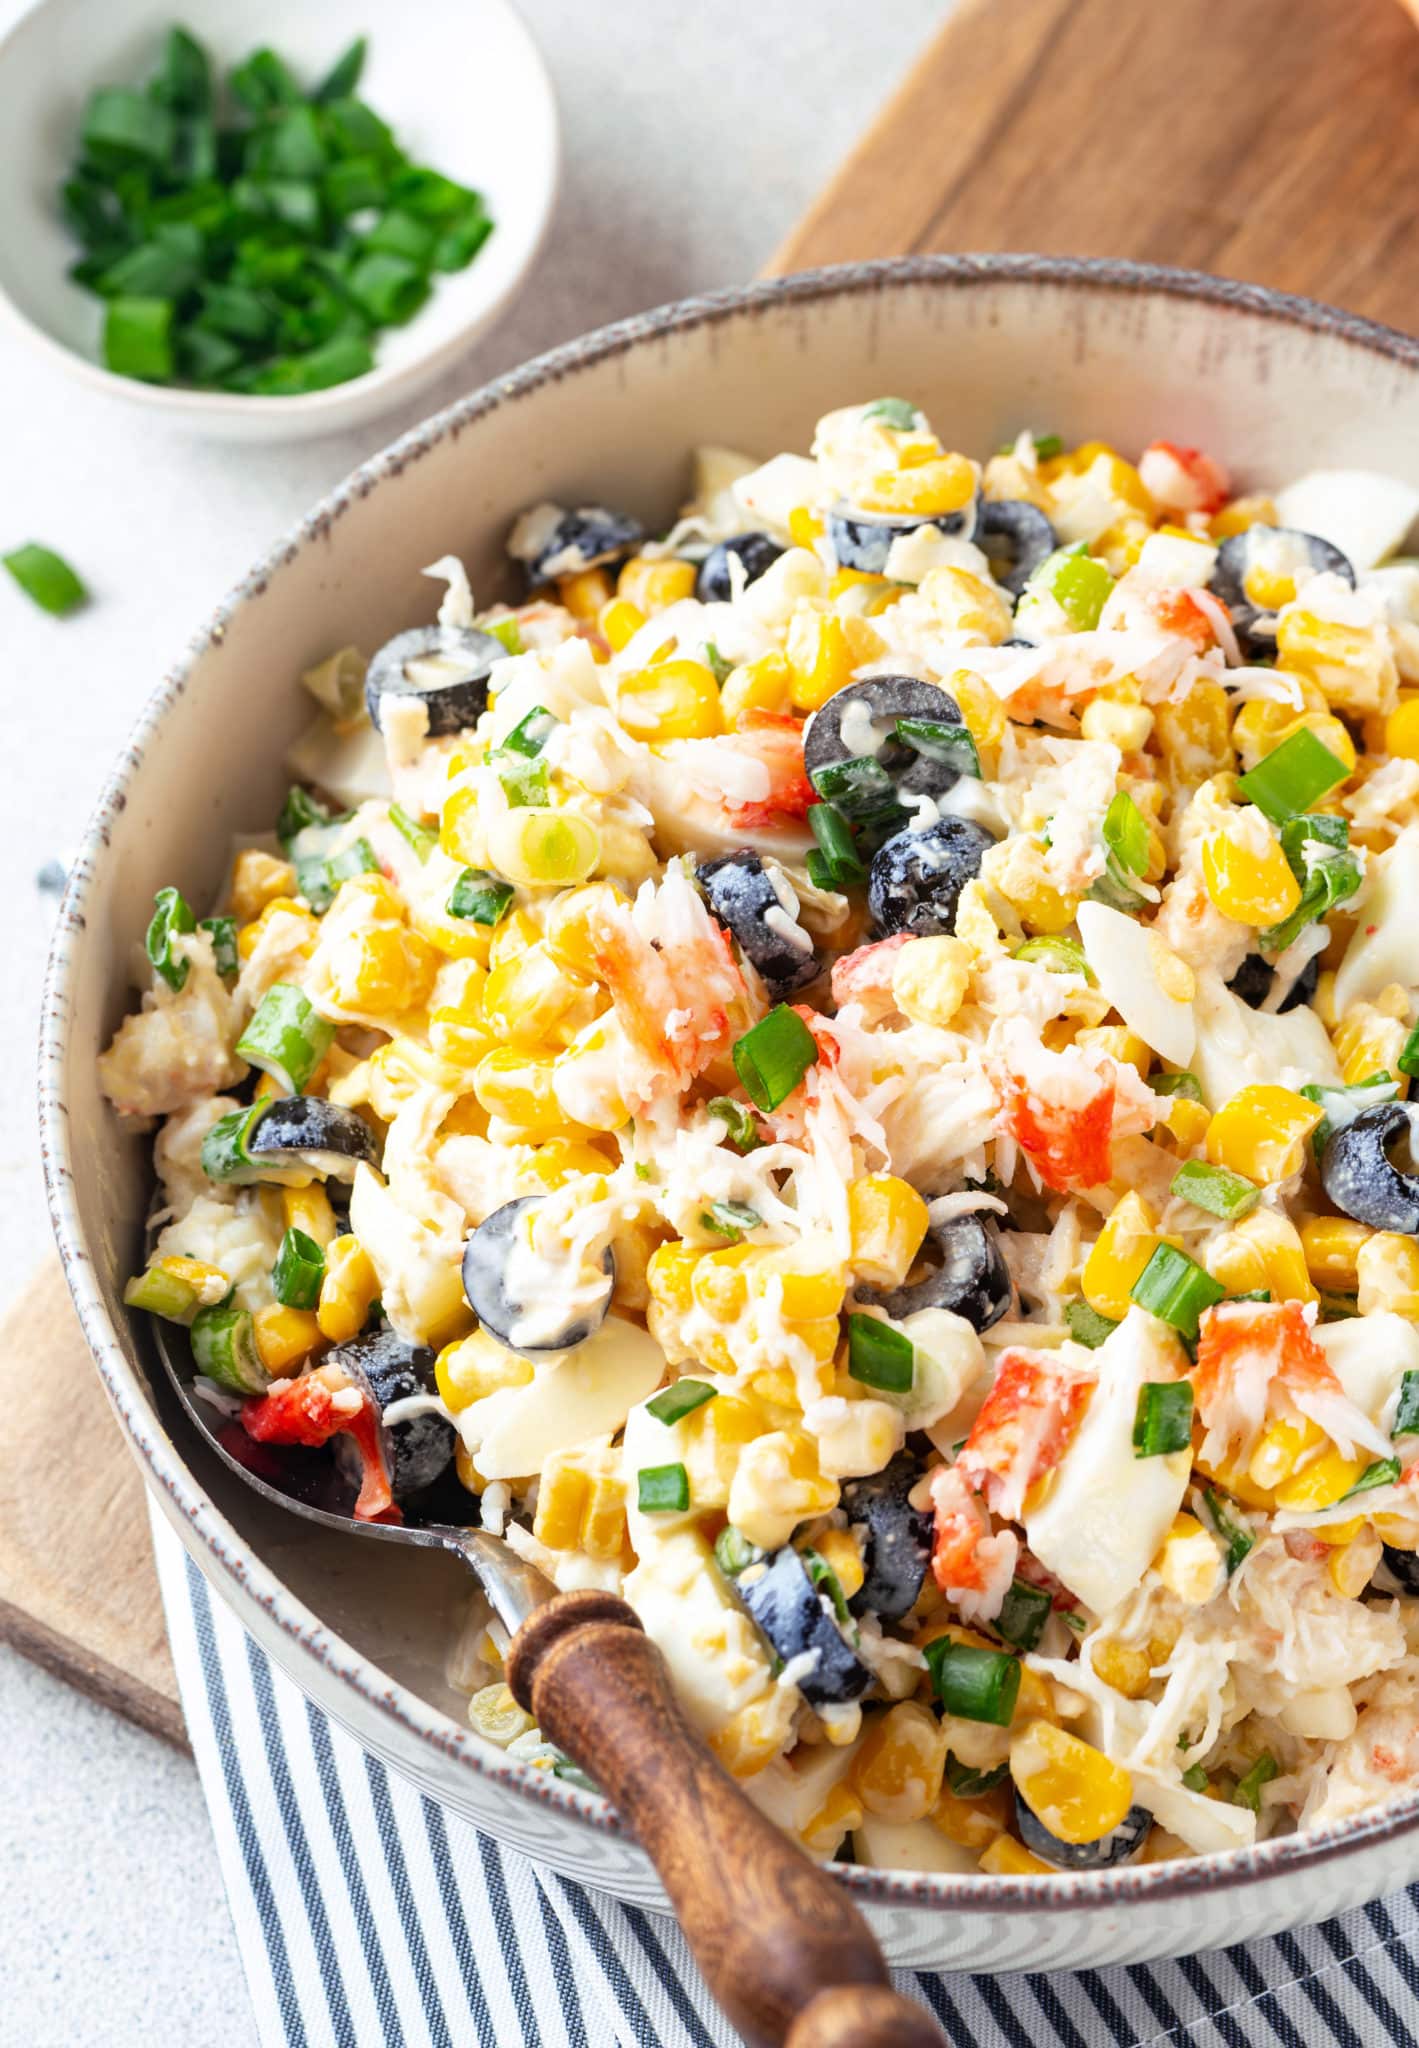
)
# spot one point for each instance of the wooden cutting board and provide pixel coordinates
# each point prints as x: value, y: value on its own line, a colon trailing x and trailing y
x: 1276, y: 140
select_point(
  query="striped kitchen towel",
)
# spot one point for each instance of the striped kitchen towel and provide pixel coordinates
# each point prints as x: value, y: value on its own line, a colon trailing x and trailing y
x: 367, y: 1917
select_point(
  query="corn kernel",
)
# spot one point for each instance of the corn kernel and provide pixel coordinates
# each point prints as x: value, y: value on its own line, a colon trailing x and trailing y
x: 838, y: 1550
x: 517, y: 1087
x: 984, y: 714
x: 619, y: 622
x: 764, y: 684
x: 819, y: 660
x: 804, y: 526
x: 1125, y: 1667
x: 1189, y: 1562
x: 1077, y: 1792
x: 347, y: 1291
x: 1320, y: 1482
x: 473, y: 1367
x: 809, y: 1283
x: 1125, y: 726
x: 1187, y: 1121
x: 250, y: 935
x: 1193, y: 736
x: 1401, y: 732
x: 1242, y: 513
x: 461, y: 833
x: 974, y: 1823
x: 962, y: 603
x: 887, y: 1222
x: 714, y: 1436
x: 285, y: 1337
x: 1261, y: 1133
x: 1005, y: 1857
x: 257, y: 878
x: 777, y: 1484
x: 1331, y: 1245
x: 670, y: 1276
x: 581, y: 1503
x: 585, y: 593
x: 1352, y: 666
x: 676, y: 700
x: 526, y: 998
x: 1351, y: 1565
x: 1280, y: 1448
x: 944, y: 483
x: 375, y: 970
x: 1120, y: 1044
x: 839, y: 1815
x: 652, y: 584
x: 898, y: 1769
x: 1016, y: 869
x: 930, y: 977
x: 1254, y: 888
x: 1387, y: 1273
x: 309, y: 1209
x: 1264, y: 1250
x: 720, y: 1282
x: 1370, y: 1037
x: 1122, y: 1249
x: 755, y: 1735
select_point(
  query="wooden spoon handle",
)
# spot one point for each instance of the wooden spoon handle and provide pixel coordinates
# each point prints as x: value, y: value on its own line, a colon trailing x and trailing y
x: 783, y: 1949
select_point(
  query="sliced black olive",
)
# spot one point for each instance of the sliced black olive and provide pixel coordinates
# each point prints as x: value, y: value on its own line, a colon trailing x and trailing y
x: 1403, y: 1566
x: 1362, y: 1180
x: 1255, y: 625
x: 883, y: 700
x: 550, y: 541
x: 1015, y: 537
x: 755, y: 550
x: 896, y: 1539
x: 971, y: 1280
x: 742, y: 896
x: 863, y: 540
x: 797, y: 1619
x: 916, y: 879
x: 496, y: 1295
x: 415, y: 1448
x: 306, y: 1131
x: 1107, y: 1853
x: 450, y: 679
x: 1252, y: 982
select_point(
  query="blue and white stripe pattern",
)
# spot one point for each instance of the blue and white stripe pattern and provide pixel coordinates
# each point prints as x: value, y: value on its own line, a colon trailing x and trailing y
x: 367, y: 1917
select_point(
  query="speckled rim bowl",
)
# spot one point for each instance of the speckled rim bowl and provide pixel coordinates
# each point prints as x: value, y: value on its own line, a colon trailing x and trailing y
x: 988, y: 344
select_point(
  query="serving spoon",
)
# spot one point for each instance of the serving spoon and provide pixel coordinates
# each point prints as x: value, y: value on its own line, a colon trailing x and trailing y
x: 783, y: 1949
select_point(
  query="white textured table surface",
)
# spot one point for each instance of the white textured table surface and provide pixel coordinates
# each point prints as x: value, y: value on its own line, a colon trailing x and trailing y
x: 692, y: 139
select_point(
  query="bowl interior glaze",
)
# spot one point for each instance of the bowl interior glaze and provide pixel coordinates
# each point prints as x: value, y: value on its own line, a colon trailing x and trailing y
x: 988, y: 346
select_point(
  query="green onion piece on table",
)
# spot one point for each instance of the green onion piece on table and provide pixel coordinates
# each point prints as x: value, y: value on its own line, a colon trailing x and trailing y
x: 880, y: 1356
x: 680, y: 1400
x: 1163, y: 1421
x: 1175, y: 1288
x: 299, y: 1270
x: 663, y: 1490
x: 286, y: 1037
x: 46, y: 578
x: 973, y: 1684
x: 772, y: 1058
x: 1215, y: 1189
x: 172, y: 916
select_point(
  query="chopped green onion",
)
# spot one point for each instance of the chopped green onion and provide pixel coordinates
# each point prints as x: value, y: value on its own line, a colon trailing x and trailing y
x: 459, y: 244
x: 421, y: 838
x: 1073, y: 1619
x: 573, y: 1774
x: 1087, y: 1326
x: 224, y: 1149
x: 389, y: 288
x: 505, y: 630
x: 1337, y: 1308
x: 1059, y: 955
x: 317, y: 369
x: 1195, y: 1778
x: 1023, y: 1614
x: 318, y: 877
x: 1292, y: 776
x: 898, y: 413
x: 1047, y: 446
x: 1408, y: 1061
x: 344, y: 74
x: 1248, y: 1791
x: 1236, y: 1538
x: 972, y: 1684
x: 818, y: 869
x: 1175, y: 1288
x: 718, y: 667
x: 861, y: 790
x: 480, y: 896
x: 1406, y: 1414
x: 1343, y: 1105
x: 137, y: 339
x: 1125, y: 837
x: 162, y: 1294
x: 524, y: 782
x: 1382, y: 1472
x: 1326, y: 879
x: 531, y: 733
x: 1163, y: 1421
x: 834, y: 836
x: 953, y: 745
x: 224, y: 1349
x: 122, y: 128
x: 772, y: 1058
x: 880, y: 1356
x: 299, y: 1270
x: 821, y: 1574
x: 662, y: 1490
x: 1184, y: 1085
x: 680, y: 1400
x: 46, y: 578
x: 286, y: 1037
x: 263, y: 83
x: 733, y: 1552
x: 730, y: 1219
x: 185, y: 81
x: 172, y: 916
x: 967, y: 1783
x: 739, y: 1127
x: 299, y: 811
x: 223, y: 934
x: 163, y: 268
x: 1252, y: 1294
x: 1079, y: 585
x: 1215, y: 1189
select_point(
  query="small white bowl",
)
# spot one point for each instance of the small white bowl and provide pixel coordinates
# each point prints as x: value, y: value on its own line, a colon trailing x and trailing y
x: 462, y: 86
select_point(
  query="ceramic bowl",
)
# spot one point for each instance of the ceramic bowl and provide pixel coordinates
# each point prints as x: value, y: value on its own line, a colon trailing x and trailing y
x: 986, y: 345
x: 462, y: 86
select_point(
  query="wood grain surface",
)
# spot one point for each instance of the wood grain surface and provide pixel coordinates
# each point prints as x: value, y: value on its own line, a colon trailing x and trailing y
x: 783, y: 1949
x: 1273, y: 140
